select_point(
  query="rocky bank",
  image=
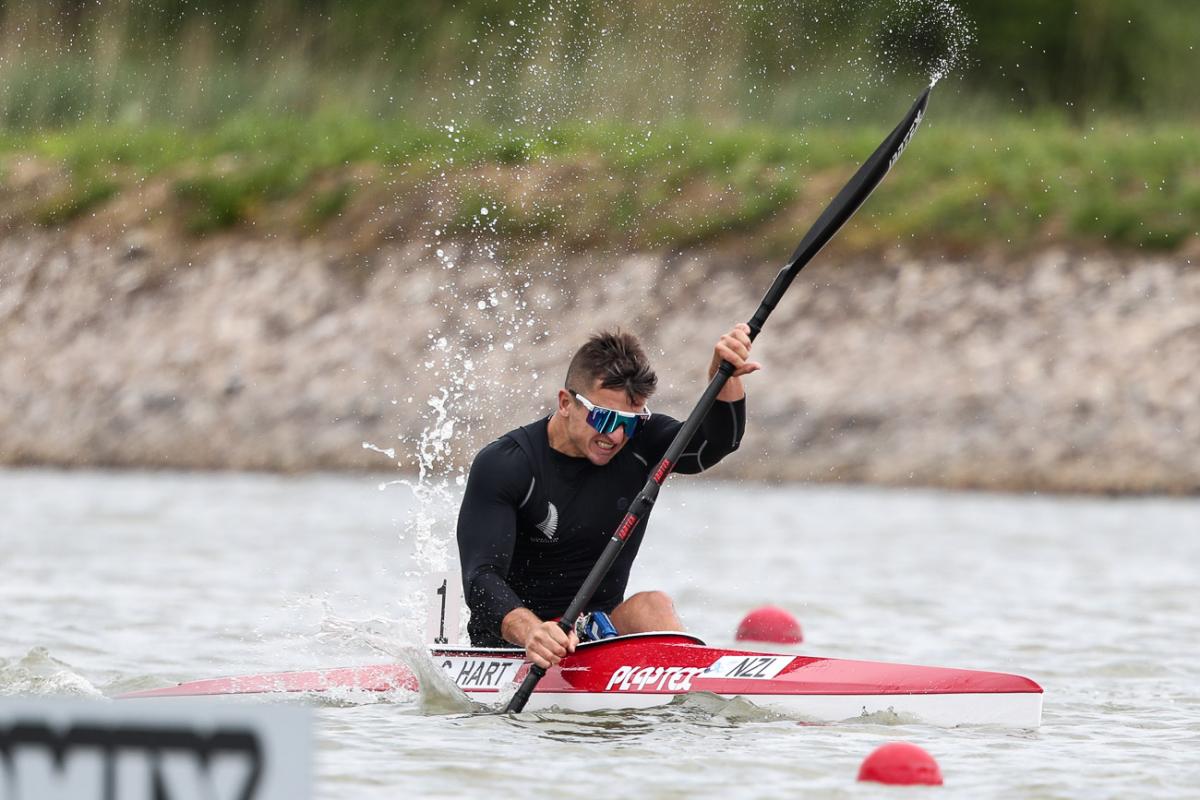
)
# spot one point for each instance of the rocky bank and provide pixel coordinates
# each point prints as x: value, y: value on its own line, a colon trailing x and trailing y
x: 1057, y: 371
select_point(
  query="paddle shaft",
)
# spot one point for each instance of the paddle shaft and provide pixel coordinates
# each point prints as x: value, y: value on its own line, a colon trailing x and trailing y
x: 835, y: 215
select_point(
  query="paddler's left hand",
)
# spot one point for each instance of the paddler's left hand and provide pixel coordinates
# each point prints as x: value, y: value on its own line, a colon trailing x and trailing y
x: 734, y: 347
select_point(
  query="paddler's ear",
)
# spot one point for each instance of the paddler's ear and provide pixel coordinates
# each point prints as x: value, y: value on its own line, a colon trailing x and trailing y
x: 564, y: 402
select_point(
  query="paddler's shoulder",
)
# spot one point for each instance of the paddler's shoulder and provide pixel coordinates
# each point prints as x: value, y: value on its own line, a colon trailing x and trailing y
x: 500, y: 470
x: 500, y: 467
x: 520, y: 446
x: 656, y: 427
x: 650, y: 442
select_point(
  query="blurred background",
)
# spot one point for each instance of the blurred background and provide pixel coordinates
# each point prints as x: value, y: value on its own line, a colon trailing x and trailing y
x: 198, y: 63
x: 259, y: 234
x: 278, y: 238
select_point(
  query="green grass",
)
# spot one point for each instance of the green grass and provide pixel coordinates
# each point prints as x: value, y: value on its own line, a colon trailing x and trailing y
x: 1010, y: 182
x: 327, y: 204
x: 74, y: 202
x: 196, y: 62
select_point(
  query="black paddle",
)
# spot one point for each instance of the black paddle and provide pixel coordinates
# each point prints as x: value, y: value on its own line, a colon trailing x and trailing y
x: 848, y: 200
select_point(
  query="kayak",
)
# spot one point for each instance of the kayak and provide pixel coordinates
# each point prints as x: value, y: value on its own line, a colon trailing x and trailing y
x: 649, y: 669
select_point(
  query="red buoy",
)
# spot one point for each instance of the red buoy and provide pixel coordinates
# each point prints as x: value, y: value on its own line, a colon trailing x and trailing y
x: 770, y: 624
x: 900, y: 764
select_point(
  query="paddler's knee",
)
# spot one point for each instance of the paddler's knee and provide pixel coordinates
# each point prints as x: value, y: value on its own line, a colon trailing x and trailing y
x: 653, y: 601
x: 645, y: 612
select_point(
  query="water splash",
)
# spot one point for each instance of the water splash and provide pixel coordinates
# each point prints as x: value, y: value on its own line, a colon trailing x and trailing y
x: 39, y: 673
x: 887, y: 717
x: 435, y: 448
x: 381, y: 634
x: 934, y: 36
x: 438, y: 693
x: 730, y: 710
x: 390, y: 452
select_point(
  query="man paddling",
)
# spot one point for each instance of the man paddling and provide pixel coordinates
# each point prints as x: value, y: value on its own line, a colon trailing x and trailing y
x: 542, y: 501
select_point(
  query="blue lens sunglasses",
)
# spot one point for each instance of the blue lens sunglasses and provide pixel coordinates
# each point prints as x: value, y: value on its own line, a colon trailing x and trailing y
x: 607, y: 420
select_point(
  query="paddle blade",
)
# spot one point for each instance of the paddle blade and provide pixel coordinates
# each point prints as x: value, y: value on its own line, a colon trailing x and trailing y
x: 856, y: 192
x: 843, y: 206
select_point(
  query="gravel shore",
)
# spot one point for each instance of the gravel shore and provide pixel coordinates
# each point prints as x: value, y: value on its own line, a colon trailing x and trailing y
x: 1058, y: 371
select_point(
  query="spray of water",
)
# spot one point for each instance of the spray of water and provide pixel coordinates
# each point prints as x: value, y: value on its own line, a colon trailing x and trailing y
x: 391, y: 638
x: 932, y: 36
x: 39, y: 673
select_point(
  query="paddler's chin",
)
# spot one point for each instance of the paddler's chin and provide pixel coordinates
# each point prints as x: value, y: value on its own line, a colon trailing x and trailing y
x: 601, y: 449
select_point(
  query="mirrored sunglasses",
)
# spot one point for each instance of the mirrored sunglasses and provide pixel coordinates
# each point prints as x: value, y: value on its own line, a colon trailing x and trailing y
x: 607, y: 420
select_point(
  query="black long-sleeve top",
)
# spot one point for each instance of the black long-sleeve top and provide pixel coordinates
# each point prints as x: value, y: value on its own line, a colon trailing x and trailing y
x: 534, y: 521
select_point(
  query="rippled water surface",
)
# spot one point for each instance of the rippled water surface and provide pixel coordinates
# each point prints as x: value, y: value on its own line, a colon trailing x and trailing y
x: 118, y: 581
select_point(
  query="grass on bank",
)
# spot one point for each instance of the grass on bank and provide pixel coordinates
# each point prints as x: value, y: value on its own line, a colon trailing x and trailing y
x: 1008, y: 182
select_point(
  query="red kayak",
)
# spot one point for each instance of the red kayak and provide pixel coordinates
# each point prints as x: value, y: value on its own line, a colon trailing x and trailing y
x: 652, y: 668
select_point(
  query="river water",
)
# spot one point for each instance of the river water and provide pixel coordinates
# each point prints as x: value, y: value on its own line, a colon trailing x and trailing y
x: 128, y: 580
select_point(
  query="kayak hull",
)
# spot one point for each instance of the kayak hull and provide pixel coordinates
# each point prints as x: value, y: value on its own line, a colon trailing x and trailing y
x: 646, y: 670
x: 947, y: 711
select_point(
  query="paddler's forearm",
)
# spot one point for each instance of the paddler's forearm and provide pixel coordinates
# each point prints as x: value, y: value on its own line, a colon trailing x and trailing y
x: 732, y: 391
x: 545, y: 643
x: 518, y: 625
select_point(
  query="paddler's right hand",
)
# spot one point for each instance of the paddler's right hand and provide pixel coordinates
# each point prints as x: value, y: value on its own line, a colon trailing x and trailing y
x: 545, y: 643
x: 548, y: 644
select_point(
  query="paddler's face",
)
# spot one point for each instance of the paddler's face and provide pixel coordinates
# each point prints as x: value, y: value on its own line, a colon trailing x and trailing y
x: 599, y: 448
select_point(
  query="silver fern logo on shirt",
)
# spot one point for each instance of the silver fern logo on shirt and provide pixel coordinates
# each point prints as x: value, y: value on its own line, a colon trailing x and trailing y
x: 549, y: 526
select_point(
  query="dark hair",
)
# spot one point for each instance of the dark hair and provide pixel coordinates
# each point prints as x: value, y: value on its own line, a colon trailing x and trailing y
x: 617, y: 360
